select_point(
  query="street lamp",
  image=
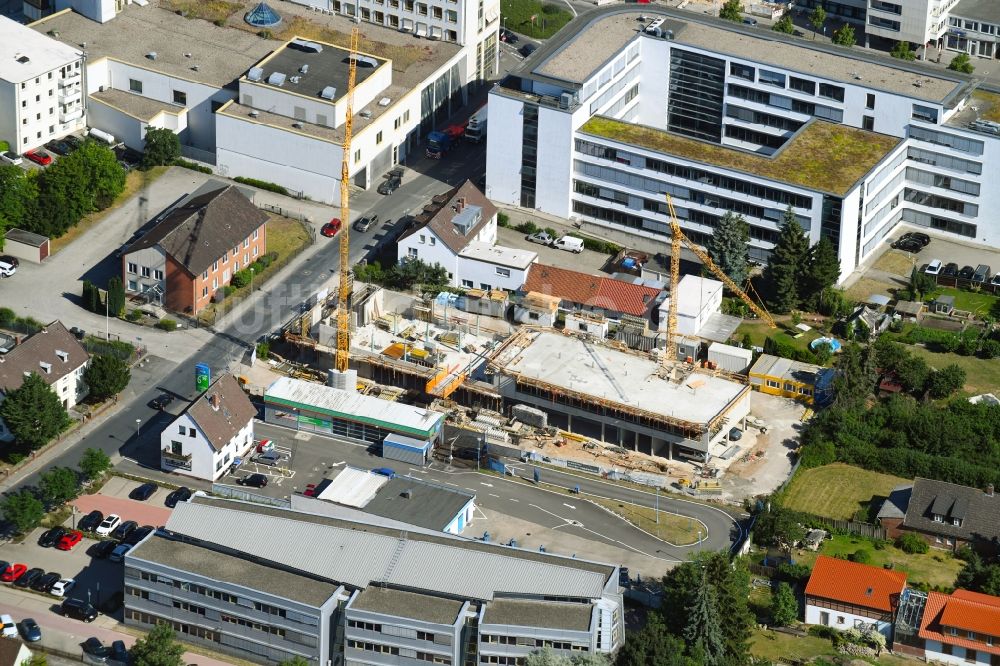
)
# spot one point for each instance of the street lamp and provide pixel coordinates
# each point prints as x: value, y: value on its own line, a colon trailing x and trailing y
x: 251, y: 279
x: 137, y: 422
x: 107, y: 319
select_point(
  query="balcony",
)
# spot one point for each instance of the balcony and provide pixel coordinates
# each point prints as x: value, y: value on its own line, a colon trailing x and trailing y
x: 69, y: 94
x: 67, y: 81
x: 70, y: 115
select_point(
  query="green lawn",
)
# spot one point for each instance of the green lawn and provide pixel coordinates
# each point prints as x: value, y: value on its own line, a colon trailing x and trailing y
x: 784, y: 648
x: 549, y: 17
x: 669, y: 527
x: 935, y: 567
x: 837, y: 490
x: 760, y: 331
x: 979, y: 303
x: 981, y: 375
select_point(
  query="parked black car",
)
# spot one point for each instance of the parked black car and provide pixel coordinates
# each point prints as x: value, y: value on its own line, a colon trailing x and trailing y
x: 951, y: 270
x: 138, y: 535
x: 143, y: 492
x: 527, y: 49
x: 124, y: 530
x: 94, y: 646
x: 161, y: 401
x: 923, y: 239
x: 44, y: 583
x: 74, y: 142
x: 78, y: 609
x: 119, y: 652
x: 390, y: 184
x: 51, y: 537
x: 102, y: 549
x: 508, y: 36
x: 254, y: 481
x: 29, y: 577
x: 90, y: 522
x: 180, y: 495
x: 966, y: 273
x: 908, y: 245
x: 58, y: 147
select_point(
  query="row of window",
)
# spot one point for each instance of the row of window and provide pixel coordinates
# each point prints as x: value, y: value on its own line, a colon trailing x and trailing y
x: 942, y: 181
x: 180, y: 627
x: 498, y: 639
x: 787, y: 103
x: 789, y: 387
x: 401, y: 652
x: 941, y: 223
x: 974, y: 26
x: 145, y: 271
x: 251, y: 624
x: 953, y: 141
x: 944, y: 161
x: 779, y: 80
x: 761, y: 118
x: 66, y: 72
x: 880, y: 22
x: 944, y: 203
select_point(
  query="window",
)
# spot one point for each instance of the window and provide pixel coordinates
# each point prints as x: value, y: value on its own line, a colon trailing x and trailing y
x: 880, y: 22
x: 467, y: 284
x: 437, y: 12
x: 215, y: 283
x: 190, y: 432
x: 870, y: 101
x: 957, y: 522
x: 840, y: 619
x: 215, y: 265
x: 970, y: 655
x: 927, y: 113
x: 204, y: 276
x: 180, y: 98
x: 802, y: 85
x: 255, y: 249
x: 423, y: 238
x: 256, y: 233
x: 887, y: 7
x: 132, y: 268
x: 135, y: 86
x: 450, y: 36
x: 831, y: 92
x: 773, y: 384
x: 411, y: 253
x: 868, y: 123
x: 204, y: 292
x: 770, y: 78
x: 145, y: 271
x: 741, y: 71
x: 246, y: 243
x: 378, y: 138
x: 789, y: 387
x: 181, y: 429
x: 133, y: 285
x: 357, y: 155
x: 484, y: 286
x: 451, y: 16
x: 503, y: 272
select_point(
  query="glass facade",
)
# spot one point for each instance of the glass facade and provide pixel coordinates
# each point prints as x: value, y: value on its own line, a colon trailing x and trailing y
x: 697, y: 88
x: 529, y: 155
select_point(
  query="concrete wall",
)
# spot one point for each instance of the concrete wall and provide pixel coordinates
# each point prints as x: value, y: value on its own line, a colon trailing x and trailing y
x: 503, y: 158
x: 844, y: 620
x: 933, y: 653
x: 487, y: 275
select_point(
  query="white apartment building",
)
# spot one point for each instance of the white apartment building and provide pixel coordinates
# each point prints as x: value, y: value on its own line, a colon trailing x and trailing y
x: 743, y: 121
x: 41, y: 87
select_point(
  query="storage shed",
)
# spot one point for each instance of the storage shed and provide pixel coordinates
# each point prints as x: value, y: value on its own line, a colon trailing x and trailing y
x: 26, y: 245
x: 730, y: 358
x: 407, y: 449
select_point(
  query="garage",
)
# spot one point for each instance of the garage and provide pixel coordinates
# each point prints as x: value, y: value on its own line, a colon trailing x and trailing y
x: 26, y: 245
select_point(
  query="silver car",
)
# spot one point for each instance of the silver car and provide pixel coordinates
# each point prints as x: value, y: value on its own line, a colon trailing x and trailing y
x: 541, y: 237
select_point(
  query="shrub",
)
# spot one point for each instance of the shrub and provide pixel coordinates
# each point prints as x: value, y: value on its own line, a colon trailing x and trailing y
x: 240, y: 278
x: 262, y: 184
x: 135, y: 314
x: 228, y: 290
x: 166, y: 324
x: 265, y: 34
x: 528, y: 227
x: 192, y: 165
x: 823, y: 631
x: 861, y: 556
x: 263, y: 350
x: 503, y: 220
x: 911, y: 543
x: 793, y: 573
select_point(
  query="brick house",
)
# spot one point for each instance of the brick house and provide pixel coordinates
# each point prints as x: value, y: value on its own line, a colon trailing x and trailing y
x: 845, y: 595
x: 946, y: 515
x: 195, y: 247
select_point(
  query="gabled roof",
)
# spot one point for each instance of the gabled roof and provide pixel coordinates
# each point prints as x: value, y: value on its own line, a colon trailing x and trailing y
x: 203, y: 228
x: 222, y: 411
x: 895, y: 504
x: 590, y: 290
x: 11, y: 648
x: 965, y: 611
x: 976, y: 510
x: 856, y: 584
x: 52, y: 353
x: 440, y: 215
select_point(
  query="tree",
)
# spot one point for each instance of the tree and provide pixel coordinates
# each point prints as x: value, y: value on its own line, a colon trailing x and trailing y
x: 295, y: 661
x: 903, y: 51
x: 845, y: 36
x: 787, y: 264
x: 33, y: 412
x: 18, y: 196
x: 703, y: 632
x: 158, y: 648
x: 23, y: 510
x: 92, y: 297
x: 732, y: 10
x: 861, y: 556
x: 816, y: 19
x: 945, y: 381
x: 162, y: 148
x: 784, y: 24
x: 921, y: 284
x: 546, y: 657
x: 115, y: 296
x: 776, y: 526
x: 962, y: 63
x: 58, y: 485
x: 106, y: 376
x: 653, y: 645
x: 824, y: 270
x: 64, y: 197
x: 728, y: 244
x: 784, y: 606
x: 912, y: 373
x: 94, y: 463
x: 105, y: 176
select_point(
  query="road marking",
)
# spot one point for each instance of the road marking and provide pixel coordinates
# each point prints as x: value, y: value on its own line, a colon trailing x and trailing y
x: 488, y: 485
x: 513, y: 499
x: 569, y: 505
x: 494, y: 495
x: 470, y: 489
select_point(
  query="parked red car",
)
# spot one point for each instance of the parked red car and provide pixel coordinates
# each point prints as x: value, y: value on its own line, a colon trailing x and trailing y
x: 13, y: 572
x: 69, y: 540
x: 331, y: 228
x: 39, y: 157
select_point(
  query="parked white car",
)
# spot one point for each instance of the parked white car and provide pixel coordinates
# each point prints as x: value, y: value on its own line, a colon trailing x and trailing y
x: 10, y: 158
x: 62, y: 588
x: 9, y: 628
x: 7, y: 270
x: 109, y: 525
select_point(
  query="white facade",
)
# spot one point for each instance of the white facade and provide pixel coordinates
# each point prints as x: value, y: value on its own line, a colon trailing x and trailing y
x: 71, y: 388
x: 425, y: 245
x: 486, y: 266
x: 917, y: 21
x: 186, y: 450
x: 101, y: 11
x: 842, y: 620
x: 41, y: 87
x: 933, y: 653
x: 698, y: 299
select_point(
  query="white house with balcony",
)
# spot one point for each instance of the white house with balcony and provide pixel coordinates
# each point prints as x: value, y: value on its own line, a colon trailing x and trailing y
x: 214, y: 430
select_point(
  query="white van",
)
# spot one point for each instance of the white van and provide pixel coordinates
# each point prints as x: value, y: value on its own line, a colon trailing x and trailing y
x: 934, y: 267
x: 6, y: 270
x: 569, y: 243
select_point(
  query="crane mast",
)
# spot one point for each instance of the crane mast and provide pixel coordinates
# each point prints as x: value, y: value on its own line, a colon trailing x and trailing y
x: 344, y: 292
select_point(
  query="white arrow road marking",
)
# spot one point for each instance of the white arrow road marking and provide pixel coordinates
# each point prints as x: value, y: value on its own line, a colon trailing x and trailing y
x: 569, y: 505
x: 488, y: 485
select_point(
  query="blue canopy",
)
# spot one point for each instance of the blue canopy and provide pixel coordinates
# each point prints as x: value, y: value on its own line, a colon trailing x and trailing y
x: 262, y: 16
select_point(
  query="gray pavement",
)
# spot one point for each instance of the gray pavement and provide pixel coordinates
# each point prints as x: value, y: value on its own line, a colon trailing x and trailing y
x: 587, y: 261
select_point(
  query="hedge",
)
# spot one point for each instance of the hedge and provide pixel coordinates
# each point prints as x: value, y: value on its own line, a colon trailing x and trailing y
x: 262, y: 184
x: 192, y: 165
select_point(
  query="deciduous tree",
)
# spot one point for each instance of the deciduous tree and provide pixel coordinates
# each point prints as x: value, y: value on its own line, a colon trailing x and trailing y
x: 962, y: 63
x: 844, y: 36
x: 105, y: 176
x: 23, y: 510
x: 945, y: 381
x: 732, y: 10
x: 18, y: 196
x: 33, y: 412
x: 94, y: 463
x: 903, y: 51
x: 784, y: 24
x: 106, y: 376
x: 727, y: 246
x: 158, y: 648
x: 162, y: 148
x: 816, y: 19
x: 64, y: 197
x: 58, y: 485
x: 784, y: 606
x: 653, y: 645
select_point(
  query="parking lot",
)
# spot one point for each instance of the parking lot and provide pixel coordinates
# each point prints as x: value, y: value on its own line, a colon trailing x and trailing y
x: 587, y: 261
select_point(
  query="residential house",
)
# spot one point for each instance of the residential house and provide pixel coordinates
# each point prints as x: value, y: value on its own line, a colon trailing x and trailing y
x: 961, y: 628
x: 844, y: 595
x: 947, y: 515
x: 195, y: 247
x: 458, y: 230
x: 592, y: 293
x: 893, y: 509
x: 210, y: 433
x: 810, y: 383
x: 13, y: 652
x: 53, y: 354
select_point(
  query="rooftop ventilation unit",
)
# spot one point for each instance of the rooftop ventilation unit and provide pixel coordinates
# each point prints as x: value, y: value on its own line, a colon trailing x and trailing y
x: 655, y: 28
x: 151, y: 55
x: 365, y: 61
x: 309, y: 47
x: 329, y: 92
x: 304, y: 69
x: 276, y: 79
x: 187, y: 55
x: 385, y: 101
x: 255, y: 74
x: 366, y: 114
x: 294, y: 79
x: 23, y: 59
x: 253, y: 114
x: 196, y: 67
x: 297, y: 125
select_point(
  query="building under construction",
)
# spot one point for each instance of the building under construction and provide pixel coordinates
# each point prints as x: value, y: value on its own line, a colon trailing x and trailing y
x: 619, y: 396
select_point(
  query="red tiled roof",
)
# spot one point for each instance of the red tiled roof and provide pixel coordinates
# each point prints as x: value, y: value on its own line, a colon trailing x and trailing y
x: 966, y: 611
x: 856, y: 584
x: 590, y: 290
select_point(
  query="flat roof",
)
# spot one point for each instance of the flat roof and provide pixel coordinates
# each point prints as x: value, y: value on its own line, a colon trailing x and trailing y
x: 221, y: 54
x: 428, y: 505
x: 548, y: 614
x: 821, y: 156
x: 234, y: 570
x: 354, y: 406
x: 693, y: 294
x: 413, y: 605
x: 27, y: 54
x: 353, y: 487
x: 978, y: 10
x: 785, y: 368
x: 134, y: 105
x: 983, y: 105
x: 326, y: 67
x: 629, y: 379
x: 502, y: 256
x: 581, y: 48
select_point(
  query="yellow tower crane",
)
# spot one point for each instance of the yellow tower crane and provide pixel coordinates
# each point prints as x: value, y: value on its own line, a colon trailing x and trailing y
x: 346, y: 280
x: 676, y: 237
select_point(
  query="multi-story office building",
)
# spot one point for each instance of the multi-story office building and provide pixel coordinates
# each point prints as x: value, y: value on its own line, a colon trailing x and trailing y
x: 616, y: 112
x: 974, y: 28
x: 921, y: 22
x: 268, y: 584
x: 41, y: 87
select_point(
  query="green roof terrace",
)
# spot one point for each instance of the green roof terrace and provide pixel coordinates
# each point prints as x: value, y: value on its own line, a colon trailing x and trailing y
x: 821, y: 156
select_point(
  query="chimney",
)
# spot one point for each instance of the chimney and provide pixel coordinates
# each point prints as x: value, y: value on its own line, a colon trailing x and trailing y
x: 214, y: 400
x: 460, y: 204
x: 989, y: 490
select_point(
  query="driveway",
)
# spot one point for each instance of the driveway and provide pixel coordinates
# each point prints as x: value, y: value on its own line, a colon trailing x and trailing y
x: 587, y: 261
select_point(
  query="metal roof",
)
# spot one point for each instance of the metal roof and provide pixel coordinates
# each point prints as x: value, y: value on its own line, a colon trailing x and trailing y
x: 353, y: 487
x: 352, y: 406
x: 354, y: 554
